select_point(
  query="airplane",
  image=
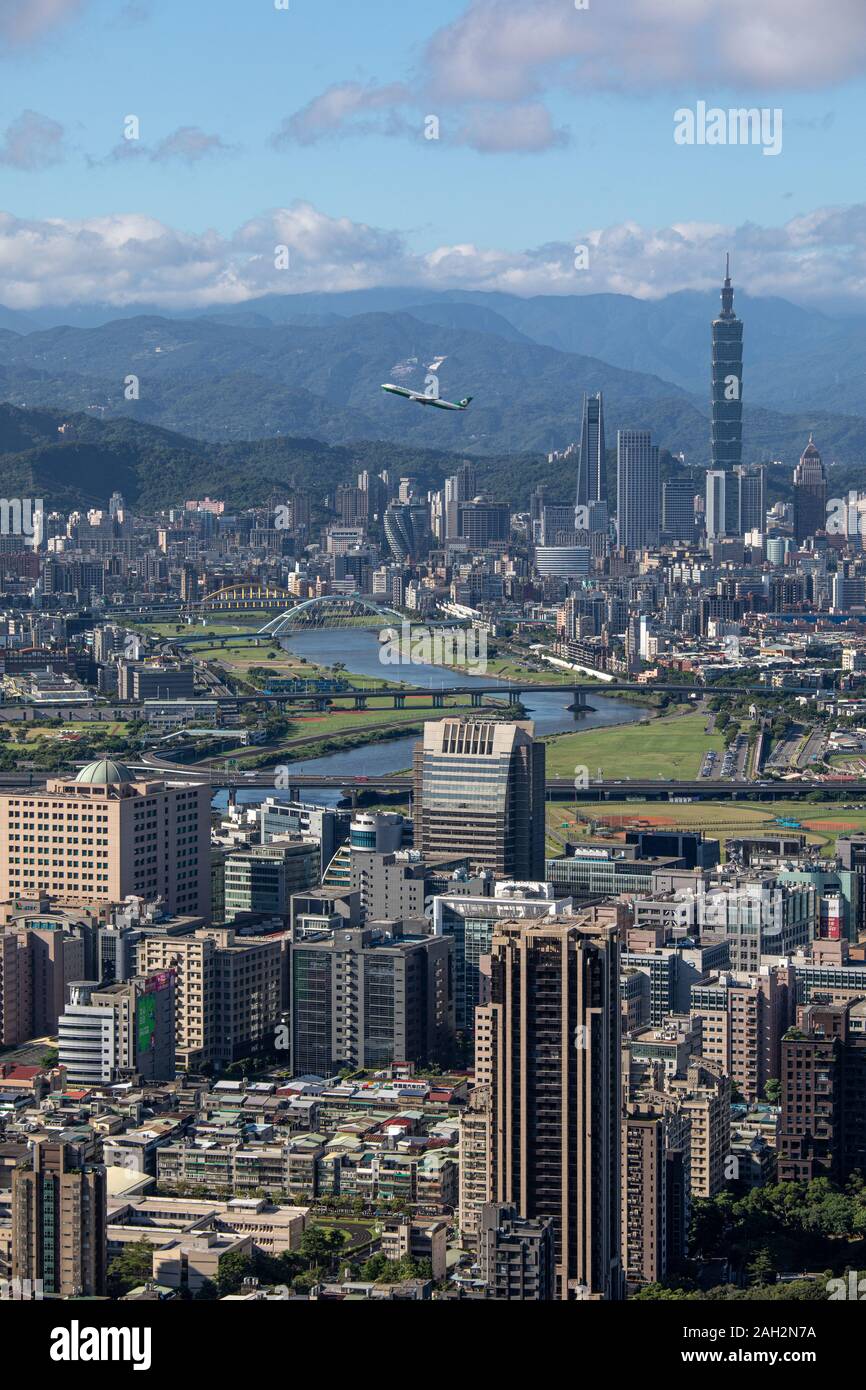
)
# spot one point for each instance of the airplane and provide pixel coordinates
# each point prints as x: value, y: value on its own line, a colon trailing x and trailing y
x: 430, y: 395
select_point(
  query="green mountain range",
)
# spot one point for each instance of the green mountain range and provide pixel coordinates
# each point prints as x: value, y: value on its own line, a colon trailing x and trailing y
x: 240, y: 376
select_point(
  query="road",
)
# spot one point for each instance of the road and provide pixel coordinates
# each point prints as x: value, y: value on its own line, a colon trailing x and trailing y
x: 811, y: 751
x: 784, y: 754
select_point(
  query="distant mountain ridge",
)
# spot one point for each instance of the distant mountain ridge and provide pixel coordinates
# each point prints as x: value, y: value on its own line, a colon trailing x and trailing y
x: 238, y: 375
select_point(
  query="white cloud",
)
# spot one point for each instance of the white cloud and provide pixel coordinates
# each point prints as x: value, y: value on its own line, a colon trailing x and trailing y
x: 493, y: 66
x: 508, y: 50
x: 524, y: 128
x: 346, y: 108
x: 32, y: 142
x: 818, y: 257
x: 23, y: 21
x: 188, y: 144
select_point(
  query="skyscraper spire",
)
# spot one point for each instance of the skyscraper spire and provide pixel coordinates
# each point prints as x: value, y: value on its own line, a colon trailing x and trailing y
x: 727, y: 290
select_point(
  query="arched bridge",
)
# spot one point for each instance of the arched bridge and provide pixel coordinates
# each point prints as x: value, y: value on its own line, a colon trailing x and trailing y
x: 239, y: 598
x: 330, y: 610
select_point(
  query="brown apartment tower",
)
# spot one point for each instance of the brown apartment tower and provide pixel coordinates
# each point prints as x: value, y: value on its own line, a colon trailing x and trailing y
x: 548, y: 1048
x: 479, y: 791
x: 59, y: 1223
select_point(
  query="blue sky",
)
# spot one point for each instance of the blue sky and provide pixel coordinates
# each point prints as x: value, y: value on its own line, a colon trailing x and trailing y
x: 556, y: 128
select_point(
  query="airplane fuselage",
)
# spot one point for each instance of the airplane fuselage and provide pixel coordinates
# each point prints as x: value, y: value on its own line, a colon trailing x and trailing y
x: 421, y: 398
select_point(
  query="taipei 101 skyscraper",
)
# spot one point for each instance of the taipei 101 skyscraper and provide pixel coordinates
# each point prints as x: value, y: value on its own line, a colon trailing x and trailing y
x: 727, y: 427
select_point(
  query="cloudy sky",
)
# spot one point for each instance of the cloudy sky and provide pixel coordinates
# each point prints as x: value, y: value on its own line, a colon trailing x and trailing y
x: 305, y: 124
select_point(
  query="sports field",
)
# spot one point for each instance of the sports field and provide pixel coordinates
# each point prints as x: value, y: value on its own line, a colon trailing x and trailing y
x: 718, y: 819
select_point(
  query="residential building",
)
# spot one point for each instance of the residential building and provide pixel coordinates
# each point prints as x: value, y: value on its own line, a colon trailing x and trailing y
x: 517, y: 1254
x: 548, y: 1048
x: 367, y: 997
x: 58, y: 1222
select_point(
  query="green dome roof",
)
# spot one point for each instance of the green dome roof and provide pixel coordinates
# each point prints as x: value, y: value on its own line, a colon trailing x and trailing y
x: 105, y: 771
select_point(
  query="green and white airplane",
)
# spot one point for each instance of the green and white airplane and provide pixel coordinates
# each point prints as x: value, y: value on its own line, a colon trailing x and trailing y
x: 430, y: 394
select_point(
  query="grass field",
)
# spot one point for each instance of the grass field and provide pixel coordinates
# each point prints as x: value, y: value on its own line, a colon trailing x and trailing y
x: 672, y: 747
x: 241, y: 622
x: 510, y: 668
x: 94, y: 728
x: 718, y: 819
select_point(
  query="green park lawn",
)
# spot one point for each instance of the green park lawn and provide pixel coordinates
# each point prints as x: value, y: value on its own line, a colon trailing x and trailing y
x: 672, y: 747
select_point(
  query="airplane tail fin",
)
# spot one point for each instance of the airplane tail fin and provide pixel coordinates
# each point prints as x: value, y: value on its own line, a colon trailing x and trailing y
x: 466, y: 401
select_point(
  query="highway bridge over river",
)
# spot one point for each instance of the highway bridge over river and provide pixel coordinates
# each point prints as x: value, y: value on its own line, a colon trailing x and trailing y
x: 287, y: 783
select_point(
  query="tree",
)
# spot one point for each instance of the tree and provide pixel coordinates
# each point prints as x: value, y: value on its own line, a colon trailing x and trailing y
x: 133, y: 1266
x: 773, y: 1091
x: 234, y: 1268
x: 760, y: 1270
x: 317, y: 1246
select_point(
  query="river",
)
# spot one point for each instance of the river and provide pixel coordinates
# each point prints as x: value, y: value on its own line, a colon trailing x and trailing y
x: 358, y: 649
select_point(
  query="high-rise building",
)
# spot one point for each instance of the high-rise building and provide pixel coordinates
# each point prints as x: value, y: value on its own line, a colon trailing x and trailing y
x: 851, y: 850
x: 123, y: 1031
x: 107, y: 835
x: 371, y: 996
x: 471, y: 920
x: 727, y: 392
x: 719, y: 486
x: 656, y: 1142
x: 264, y: 877
x: 810, y: 494
x: 482, y: 521
x: 59, y: 1222
x: 678, y: 510
x: 752, y: 498
x: 638, y: 490
x: 742, y: 1019
x: 462, y: 487
x: 705, y: 1096
x: 822, y: 1128
x: 311, y: 822
x: 229, y: 991
x: 479, y: 790
x: 591, y: 464
x: 517, y: 1255
x: 401, y: 531
x: 476, y: 1166
x: 548, y: 1048
x: 39, y: 958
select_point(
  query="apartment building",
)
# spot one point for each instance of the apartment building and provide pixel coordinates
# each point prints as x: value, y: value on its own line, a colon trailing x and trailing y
x: 548, y: 1047
x: 59, y: 1222
x: 229, y: 991
x: 369, y: 996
